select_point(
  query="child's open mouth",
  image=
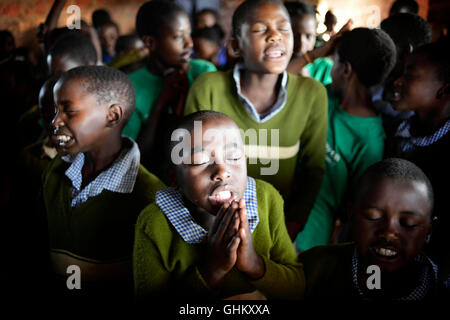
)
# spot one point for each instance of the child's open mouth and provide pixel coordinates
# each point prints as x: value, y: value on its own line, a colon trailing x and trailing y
x: 274, y: 53
x: 221, y: 195
x: 386, y: 253
x: 62, y: 140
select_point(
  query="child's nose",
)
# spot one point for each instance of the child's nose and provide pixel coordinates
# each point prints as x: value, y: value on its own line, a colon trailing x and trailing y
x: 390, y: 229
x: 274, y: 35
x: 188, y: 43
x: 220, y: 172
x: 57, y: 121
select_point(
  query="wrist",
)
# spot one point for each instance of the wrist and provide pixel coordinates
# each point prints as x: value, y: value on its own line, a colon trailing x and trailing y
x: 257, y: 268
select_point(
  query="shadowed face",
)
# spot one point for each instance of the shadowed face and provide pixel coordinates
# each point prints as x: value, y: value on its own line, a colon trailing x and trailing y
x: 266, y: 41
x: 217, y: 171
x: 304, y: 28
x: 80, y: 123
x: 391, y: 222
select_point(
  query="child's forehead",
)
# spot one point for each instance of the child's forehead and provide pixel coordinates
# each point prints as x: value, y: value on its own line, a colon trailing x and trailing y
x: 267, y: 10
x: 217, y: 129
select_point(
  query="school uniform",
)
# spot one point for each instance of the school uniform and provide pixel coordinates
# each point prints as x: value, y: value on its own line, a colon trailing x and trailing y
x: 288, y: 148
x: 93, y: 227
x: 170, y: 245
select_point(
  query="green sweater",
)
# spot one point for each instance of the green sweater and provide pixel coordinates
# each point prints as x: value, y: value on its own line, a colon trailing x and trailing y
x: 165, y: 265
x: 98, y: 235
x: 300, y: 127
x: 148, y: 87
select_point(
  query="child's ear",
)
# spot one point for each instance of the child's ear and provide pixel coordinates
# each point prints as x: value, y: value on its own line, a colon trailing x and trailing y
x: 234, y: 43
x: 115, y: 115
x: 347, y: 69
x: 150, y: 42
x: 443, y: 91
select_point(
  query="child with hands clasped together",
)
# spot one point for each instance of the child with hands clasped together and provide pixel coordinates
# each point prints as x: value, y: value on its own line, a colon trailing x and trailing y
x: 216, y: 233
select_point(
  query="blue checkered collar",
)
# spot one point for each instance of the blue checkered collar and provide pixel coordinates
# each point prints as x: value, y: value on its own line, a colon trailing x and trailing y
x: 411, y: 142
x: 119, y: 177
x: 170, y: 201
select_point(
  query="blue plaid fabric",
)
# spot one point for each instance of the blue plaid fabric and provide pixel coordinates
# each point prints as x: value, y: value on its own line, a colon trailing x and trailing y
x: 170, y: 202
x: 410, y: 142
x: 119, y: 177
x: 427, y: 281
x: 278, y: 105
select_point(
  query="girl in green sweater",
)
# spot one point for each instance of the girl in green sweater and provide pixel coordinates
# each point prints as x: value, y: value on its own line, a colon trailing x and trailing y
x: 216, y: 233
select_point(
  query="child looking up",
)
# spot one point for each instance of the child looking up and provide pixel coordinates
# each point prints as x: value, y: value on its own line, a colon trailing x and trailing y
x: 284, y: 117
x: 363, y: 58
x: 163, y: 82
x: 424, y: 138
x: 93, y: 194
x: 391, y: 220
x: 217, y: 233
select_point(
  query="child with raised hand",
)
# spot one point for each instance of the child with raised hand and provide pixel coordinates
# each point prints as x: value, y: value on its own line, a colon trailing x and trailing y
x: 424, y: 138
x: 391, y: 218
x: 363, y: 58
x: 283, y: 116
x: 93, y: 192
x: 217, y: 233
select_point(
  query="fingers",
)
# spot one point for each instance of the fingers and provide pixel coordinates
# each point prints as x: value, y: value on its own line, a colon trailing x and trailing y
x: 219, y: 217
x: 233, y: 228
x: 233, y: 245
x: 243, y: 215
x: 228, y: 215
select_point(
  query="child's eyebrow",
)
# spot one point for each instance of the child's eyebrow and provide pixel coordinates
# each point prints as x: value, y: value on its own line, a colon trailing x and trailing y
x: 267, y: 21
x: 411, y: 212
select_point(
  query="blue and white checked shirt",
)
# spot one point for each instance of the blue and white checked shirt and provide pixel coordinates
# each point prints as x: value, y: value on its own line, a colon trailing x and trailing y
x: 428, y: 278
x: 278, y: 105
x: 119, y: 177
x: 170, y: 201
x: 411, y: 142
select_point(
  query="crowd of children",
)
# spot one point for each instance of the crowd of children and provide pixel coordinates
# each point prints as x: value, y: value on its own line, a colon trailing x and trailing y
x: 171, y: 164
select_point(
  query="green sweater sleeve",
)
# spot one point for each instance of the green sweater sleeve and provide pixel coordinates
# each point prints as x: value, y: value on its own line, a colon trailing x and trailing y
x: 284, y: 276
x: 311, y: 161
x: 198, y: 97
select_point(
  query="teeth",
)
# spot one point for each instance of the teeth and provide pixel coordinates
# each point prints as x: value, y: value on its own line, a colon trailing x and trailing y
x: 223, y: 195
x: 274, y: 54
x: 63, y: 138
x: 385, y: 252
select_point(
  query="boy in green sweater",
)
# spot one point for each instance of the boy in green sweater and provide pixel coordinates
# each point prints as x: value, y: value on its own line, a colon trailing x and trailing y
x: 363, y: 58
x: 391, y: 219
x: 217, y: 233
x: 93, y: 194
x: 284, y: 117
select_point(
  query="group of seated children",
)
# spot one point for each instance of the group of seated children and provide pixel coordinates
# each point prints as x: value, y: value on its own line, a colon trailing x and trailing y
x: 251, y: 166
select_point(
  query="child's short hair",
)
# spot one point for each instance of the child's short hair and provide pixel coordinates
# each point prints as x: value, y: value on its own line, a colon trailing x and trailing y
x: 155, y: 14
x: 410, y: 5
x: 299, y: 9
x: 76, y: 46
x: 407, y: 29
x: 107, y: 84
x: 214, y: 34
x: 244, y: 9
x: 208, y: 10
x: 394, y: 168
x: 125, y: 43
x: 100, y: 17
x: 371, y: 53
x: 438, y: 54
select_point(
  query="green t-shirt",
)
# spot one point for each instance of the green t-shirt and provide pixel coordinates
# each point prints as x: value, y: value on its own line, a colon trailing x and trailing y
x: 353, y: 144
x: 321, y: 70
x: 148, y: 86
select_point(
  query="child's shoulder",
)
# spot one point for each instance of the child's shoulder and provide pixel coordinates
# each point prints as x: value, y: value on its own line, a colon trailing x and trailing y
x: 153, y: 222
x: 213, y: 78
x: 201, y: 65
x: 147, y: 180
x: 306, y: 84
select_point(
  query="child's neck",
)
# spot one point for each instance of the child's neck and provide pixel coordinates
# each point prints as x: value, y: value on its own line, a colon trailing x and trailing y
x: 357, y: 99
x: 157, y: 67
x: 429, y: 121
x: 261, y: 89
x: 98, y: 160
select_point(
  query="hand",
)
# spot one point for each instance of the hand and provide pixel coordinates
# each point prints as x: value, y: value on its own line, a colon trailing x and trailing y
x: 175, y: 85
x: 329, y: 46
x: 222, y: 243
x: 248, y: 261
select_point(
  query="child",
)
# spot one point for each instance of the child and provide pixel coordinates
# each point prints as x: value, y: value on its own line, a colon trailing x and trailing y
x: 71, y: 50
x: 108, y: 34
x: 208, y: 45
x: 424, y: 138
x: 363, y: 58
x: 93, y: 195
x: 391, y: 220
x: 404, y: 6
x: 217, y: 233
x: 304, y: 25
x: 205, y: 18
x: 163, y: 82
x: 282, y: 115
x: 408, y: 31
x: 130, y: 53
